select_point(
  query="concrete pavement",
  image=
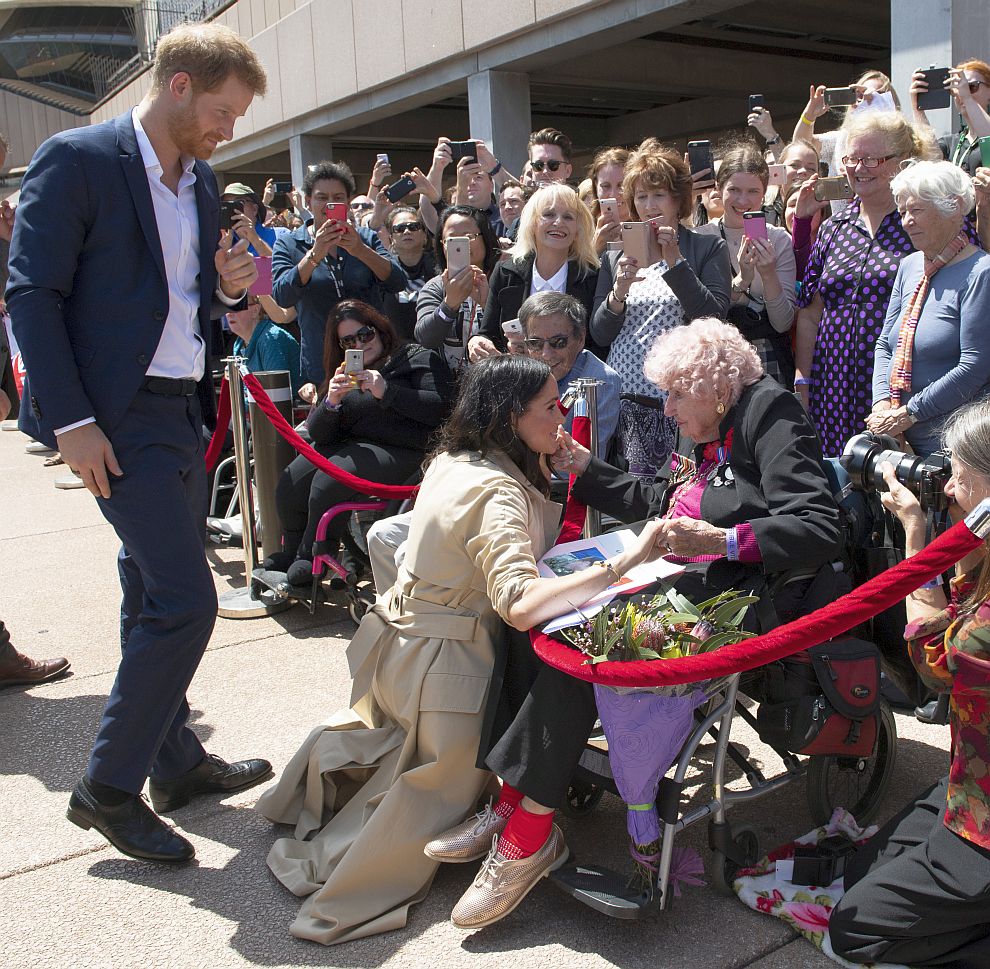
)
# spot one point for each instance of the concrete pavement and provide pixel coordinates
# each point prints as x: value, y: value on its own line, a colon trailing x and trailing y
x: 70, y: 899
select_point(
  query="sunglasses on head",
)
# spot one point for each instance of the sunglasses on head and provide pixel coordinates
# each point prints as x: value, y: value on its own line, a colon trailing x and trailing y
x: 535, y: 344
x: 552, y: 163
x: 400, y: 227
x: 365, y: 335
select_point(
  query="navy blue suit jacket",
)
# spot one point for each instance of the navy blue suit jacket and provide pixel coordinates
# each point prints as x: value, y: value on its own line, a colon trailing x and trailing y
x: 87, y: 293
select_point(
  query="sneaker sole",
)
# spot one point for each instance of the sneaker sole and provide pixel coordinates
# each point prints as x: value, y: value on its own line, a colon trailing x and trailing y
x: 457, y: 861
x: 83, y: 822
x: 181, y: 800
x: 553, y: 866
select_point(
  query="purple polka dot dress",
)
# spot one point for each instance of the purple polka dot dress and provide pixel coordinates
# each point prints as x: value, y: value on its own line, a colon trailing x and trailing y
x: 854, y: 274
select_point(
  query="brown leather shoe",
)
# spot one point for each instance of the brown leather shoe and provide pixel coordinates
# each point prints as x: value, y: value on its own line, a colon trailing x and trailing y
x: 16, y: 669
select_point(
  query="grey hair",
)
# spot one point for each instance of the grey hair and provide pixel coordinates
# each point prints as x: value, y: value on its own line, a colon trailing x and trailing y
x: 944, y: 185
x: 967, y: 435
x: 550, y: 303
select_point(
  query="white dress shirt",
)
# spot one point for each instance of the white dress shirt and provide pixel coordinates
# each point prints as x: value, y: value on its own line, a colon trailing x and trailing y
x: 556, y: 284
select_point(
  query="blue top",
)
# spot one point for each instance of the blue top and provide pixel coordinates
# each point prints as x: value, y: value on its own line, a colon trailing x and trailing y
x: 271, y: 348
x: 951, y: 360
x: 266, y: 234
x: 588, y: 365
x: 333, y: 280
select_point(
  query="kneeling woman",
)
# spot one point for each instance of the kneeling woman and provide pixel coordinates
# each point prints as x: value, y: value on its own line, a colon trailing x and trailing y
x: 367, y: 792
x: 748, y: 498
x: 918, y: 892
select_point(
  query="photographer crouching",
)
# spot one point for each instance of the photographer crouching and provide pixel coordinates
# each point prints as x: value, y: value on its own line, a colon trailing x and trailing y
x: 917, y: 892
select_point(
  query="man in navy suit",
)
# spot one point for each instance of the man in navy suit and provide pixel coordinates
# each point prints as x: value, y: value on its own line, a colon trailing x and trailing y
x: 117, y: 266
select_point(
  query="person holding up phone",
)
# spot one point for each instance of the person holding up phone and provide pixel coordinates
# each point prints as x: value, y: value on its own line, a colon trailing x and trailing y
x: 760, y: 119
x: 761, y: 306
x: 969, y: 85
x: 328, y: 260
x: 248, y: 221
x: 606, y: 172
x: 678, y: 276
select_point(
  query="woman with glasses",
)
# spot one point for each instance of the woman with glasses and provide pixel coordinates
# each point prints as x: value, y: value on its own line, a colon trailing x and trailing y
x: 376, y: 424
x: 554, y: 250
x: 685, y: 275
x: 450, y: 309
x: 969, y: 84
x: 849, y: 279
x: 410, y: 246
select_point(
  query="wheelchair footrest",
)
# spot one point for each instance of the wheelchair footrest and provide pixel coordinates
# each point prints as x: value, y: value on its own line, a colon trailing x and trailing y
x: 605, y: 891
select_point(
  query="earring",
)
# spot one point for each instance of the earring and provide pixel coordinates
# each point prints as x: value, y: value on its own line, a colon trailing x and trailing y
x: 720, y: 408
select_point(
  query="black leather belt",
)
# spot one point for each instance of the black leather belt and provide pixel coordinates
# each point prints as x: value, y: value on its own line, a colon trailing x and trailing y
x: 169, y: 386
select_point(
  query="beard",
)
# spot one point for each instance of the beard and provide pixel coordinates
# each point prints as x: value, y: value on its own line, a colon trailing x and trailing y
x: 187, y: 135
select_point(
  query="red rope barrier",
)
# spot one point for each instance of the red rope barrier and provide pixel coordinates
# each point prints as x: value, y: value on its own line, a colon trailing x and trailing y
x: 215, y: 448
x: 339, y: 474
x: 574, y: 511
x: 873, y: 597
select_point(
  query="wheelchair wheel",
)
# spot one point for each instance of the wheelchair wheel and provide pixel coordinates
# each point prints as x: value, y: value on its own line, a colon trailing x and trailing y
x: 359, y: 602
x: 581, y: 799
x: 857, y: 784
x: 724, y: 869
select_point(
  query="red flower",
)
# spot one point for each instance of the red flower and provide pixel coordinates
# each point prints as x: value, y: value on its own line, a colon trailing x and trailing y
x: 712, y: 448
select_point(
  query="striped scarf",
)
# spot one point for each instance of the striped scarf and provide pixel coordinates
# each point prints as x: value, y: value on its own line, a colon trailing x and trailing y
x: 900, y: 373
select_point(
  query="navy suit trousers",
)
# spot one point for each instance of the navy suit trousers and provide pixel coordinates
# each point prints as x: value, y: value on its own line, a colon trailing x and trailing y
x: 158, y: 509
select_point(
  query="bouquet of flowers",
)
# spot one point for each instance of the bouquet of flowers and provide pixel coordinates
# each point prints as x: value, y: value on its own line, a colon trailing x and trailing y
x: 647, y: 727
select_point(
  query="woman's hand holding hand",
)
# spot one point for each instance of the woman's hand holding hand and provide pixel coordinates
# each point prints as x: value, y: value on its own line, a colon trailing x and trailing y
x: 570, y: 457
x: 459, y: 288
x: 670, y: 250
x: 625, y: 276
x: 480, y: 347
x: 889, y: 420
x: 649, y: 545
x: 688, y: 537
x: 371, y: 381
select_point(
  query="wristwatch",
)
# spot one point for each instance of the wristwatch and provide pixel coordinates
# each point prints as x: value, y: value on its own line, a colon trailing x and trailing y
x: 912, y: 419
x: 312, y: 258
x: 775, y: 140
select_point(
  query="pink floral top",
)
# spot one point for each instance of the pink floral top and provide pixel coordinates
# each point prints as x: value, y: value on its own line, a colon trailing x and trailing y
x: 951, y: 652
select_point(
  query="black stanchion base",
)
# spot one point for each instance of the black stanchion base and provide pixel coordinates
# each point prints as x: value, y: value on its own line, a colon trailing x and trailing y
x: 605, y: 891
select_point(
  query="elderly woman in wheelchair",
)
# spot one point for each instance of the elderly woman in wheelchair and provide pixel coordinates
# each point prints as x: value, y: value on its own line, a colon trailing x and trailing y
x: 746, y: 502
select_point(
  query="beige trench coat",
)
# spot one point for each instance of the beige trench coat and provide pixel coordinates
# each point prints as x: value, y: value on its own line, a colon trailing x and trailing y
x: 369, y: 788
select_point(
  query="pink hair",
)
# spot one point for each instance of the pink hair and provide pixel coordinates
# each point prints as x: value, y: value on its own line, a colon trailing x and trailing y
x: 706, y: 358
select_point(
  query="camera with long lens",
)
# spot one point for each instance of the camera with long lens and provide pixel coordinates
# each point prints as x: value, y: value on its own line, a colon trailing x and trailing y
x: 926, y: 477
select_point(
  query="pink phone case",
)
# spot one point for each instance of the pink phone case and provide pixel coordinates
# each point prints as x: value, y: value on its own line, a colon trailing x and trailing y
x: 756, y: 228
x: 262, y: 286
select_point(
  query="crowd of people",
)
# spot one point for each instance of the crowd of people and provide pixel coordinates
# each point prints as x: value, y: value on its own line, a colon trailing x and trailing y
x: 743, y: 320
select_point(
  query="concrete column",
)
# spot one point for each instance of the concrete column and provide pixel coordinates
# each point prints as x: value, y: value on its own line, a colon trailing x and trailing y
x: 499, y: 111
x: 306, y: 150
x: 939, y: 32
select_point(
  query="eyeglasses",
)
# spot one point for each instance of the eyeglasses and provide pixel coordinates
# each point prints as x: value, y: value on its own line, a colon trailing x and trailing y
x: 535, y: 344
x: 362, y: 206
x: 869, y: 161
x: 365, y: 335
x: 401, y: 227
x: 552, y: 163
x: 464, y: 235
x: 974, y: 86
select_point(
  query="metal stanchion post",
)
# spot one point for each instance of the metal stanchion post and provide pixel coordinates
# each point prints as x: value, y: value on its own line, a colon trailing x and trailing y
x: 589, y: 396
x: 271, y: 455
x: 249, y: 602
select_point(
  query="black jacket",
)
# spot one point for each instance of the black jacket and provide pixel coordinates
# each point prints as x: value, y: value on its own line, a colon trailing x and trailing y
x: 418, y: 392
x: 510, y: 284
x: 779, y: 485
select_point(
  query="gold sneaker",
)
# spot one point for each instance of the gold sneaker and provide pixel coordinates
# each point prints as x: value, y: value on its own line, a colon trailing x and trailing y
x: 502, y: 884
x: 469, y: 840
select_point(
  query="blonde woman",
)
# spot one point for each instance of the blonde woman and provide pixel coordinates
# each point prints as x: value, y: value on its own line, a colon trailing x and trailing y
x: 554, y: 250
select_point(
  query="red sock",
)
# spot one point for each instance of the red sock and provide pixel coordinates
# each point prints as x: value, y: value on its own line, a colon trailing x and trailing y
x: 525, y: 834
x: 508, y: 801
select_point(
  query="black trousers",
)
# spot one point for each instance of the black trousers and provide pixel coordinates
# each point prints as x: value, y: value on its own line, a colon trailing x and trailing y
x: 304, y: 493
x: 916, y: 893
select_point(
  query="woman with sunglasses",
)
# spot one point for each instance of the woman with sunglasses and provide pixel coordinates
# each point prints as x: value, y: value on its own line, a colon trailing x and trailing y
x: 368, y: 792
x: 849, y: 279
x: 449, y: 310
x: 376, y: 424
x: 554, y: 250
x: 410, y: 244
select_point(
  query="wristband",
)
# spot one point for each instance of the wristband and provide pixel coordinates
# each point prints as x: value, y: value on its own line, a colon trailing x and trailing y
x: 610, y: 569
x: 807, y: 121
x: 775, y: 140
x: 444, y: 315
x: 615, y: 299
x: 312, y: 258
x: 803, y: 381
x: 731, y: 545
x: 496, y: 169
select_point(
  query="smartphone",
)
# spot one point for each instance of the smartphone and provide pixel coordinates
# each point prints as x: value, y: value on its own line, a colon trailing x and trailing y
x: 984, y: 144
x: 463, y: 149
x: 636, y: 242
x: 458, y: 254
x: 353, y: 362
x: 613, y: 246
x: 936, y: 96
x: 756, y: 101
x: 262, y: 286
x: 837, y: 97
x: 382, y: 157
x: 227, y: 212
x: 700, y: 157
x: 778, y: 174
x: 755, y: 226
x: 400, y: 189
x: 610, y: 209
x: 831, y: 189
x: 284, y: 187
x: 336, y: 211
x: 512, y: 326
